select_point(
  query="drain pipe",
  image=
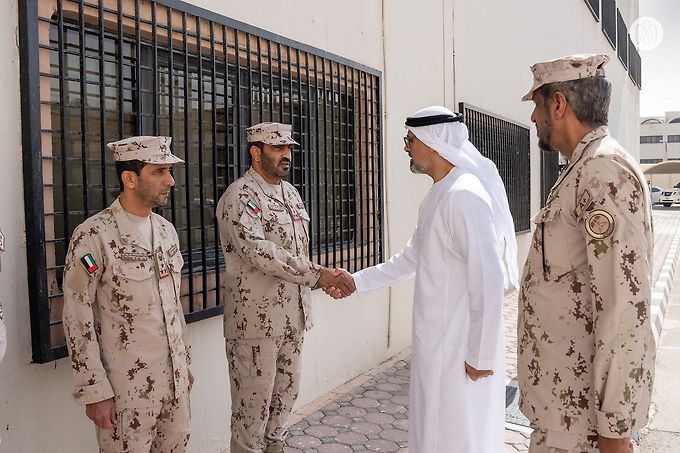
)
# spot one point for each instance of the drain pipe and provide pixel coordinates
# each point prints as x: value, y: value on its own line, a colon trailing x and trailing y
x: 385, y: 166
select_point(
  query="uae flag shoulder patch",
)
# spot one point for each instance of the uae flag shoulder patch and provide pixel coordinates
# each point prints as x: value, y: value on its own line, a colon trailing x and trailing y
x: 254, y: 208
x: 89, y: 263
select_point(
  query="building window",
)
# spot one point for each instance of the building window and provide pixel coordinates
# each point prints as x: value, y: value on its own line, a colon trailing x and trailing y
x: 650, y: 161
x: 107, y: 73
x: 594, y: 6
x: 622, y: 39
x: 674, y: 139
x: 609, y: 21
x: 646, y: 139
x: 507, y: 144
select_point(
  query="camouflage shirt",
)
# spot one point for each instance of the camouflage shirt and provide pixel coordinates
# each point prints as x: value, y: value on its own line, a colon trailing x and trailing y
x: 123, y: 318
x: 586, y: 349
x: 264, y: 232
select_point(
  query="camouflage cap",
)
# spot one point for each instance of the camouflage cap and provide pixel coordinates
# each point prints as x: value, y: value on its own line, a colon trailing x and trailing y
x: 573, y: 67
x: 149, y: 149
x: 271, y: 134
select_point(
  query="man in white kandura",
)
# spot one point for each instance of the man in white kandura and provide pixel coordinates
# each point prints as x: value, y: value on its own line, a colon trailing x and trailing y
x: 462, y: 254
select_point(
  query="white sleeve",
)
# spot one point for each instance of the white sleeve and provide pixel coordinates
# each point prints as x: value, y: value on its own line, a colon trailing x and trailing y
x: 472, y: 226
x: 401, y: 266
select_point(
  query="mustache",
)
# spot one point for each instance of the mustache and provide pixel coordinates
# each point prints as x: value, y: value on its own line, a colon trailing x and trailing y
x: 285, y: 159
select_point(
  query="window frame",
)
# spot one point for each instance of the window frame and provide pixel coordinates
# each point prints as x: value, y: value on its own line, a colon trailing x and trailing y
x: 33, y: 139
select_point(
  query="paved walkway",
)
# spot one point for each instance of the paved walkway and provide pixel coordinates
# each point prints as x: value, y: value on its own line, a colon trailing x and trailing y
x: 370, y: 412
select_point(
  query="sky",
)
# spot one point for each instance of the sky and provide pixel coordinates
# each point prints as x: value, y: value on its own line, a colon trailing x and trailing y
x: 661, y: 66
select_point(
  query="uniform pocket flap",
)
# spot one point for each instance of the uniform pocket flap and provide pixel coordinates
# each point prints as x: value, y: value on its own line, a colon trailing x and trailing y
x: 547, y: 214
x: 133, y: 270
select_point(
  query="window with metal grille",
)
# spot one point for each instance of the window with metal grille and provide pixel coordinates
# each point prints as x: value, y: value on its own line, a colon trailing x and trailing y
x: 609, y: 21
x: 674, y: 139
x: 506, y: 143
x: 594, y: 6
x: 622, y: 39
x: 550, y: 171
x: 634, y: 64
x: 651, y: 139
x: 650, y: 161
x: 96, y: 71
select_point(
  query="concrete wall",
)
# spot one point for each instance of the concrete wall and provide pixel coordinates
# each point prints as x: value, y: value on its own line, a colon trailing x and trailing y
x: 412, y: 43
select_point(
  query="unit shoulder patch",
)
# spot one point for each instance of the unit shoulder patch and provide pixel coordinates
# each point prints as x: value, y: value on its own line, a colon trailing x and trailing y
x: 599, y: 224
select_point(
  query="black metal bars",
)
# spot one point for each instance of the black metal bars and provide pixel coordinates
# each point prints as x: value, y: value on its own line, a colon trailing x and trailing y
x: 169, y: 68
x: 507, y: 144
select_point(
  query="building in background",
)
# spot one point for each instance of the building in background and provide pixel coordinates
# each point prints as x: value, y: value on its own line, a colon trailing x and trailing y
x: 660, y: 142
x: 345, y: 74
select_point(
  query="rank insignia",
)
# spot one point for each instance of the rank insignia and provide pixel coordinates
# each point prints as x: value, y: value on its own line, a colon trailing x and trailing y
x: 599, y: 224
x: 89, y: 263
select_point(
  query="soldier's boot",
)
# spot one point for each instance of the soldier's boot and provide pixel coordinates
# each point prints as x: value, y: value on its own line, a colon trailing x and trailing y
x: 276, y: 447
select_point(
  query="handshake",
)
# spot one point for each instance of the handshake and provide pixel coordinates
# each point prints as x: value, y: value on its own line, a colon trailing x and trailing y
x: 337, y: 283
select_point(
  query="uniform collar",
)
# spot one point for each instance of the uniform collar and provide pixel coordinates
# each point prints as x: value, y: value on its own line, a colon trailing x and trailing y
x: 129, y: 234
x: 591, y: 136
x: 267, y: 188
x: 587, y: 139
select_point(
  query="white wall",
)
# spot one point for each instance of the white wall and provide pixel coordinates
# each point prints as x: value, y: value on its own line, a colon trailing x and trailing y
x: 497, y: 41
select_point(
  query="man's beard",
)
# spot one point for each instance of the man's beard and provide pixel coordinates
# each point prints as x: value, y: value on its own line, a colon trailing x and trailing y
x: 415, y: 168
x: 544, y: 138
x: 275, y: 169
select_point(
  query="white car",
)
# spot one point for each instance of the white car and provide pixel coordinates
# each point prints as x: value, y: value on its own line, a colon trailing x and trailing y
x: 669, y: 196
x: 656, y: 194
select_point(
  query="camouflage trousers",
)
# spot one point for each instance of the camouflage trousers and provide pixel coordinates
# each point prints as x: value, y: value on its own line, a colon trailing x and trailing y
x: 544, y: 441
x: 265, y: 379
x: 156, y: 429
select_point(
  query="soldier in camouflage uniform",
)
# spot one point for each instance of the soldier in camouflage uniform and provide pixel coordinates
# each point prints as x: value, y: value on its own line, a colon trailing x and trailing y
x: 264, y: 232
x: 123, y: 318
x: 586, y: 350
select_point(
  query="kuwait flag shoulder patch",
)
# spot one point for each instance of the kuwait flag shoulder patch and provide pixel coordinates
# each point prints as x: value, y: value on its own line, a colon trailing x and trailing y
x: 89, y: 263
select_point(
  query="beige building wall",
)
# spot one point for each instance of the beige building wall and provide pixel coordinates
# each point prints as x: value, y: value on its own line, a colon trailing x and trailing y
x: 413, y: 45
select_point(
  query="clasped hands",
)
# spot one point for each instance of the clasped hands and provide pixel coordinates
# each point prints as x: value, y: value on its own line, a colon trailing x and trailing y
x: 337, y: 283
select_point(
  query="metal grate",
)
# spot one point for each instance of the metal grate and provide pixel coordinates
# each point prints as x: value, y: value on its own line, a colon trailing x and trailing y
x: 506, y: 143
x: 622, y: 39
x: 550, y: 171
x: 635, y: 64
x: 609, y: 21
x: 594, y: 6
x: 96, y: 71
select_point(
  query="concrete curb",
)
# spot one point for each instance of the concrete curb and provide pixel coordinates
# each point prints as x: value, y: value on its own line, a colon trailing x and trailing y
x: 662, y: 287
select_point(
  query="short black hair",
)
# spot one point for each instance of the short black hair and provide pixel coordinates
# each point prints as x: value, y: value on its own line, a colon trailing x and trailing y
x: 128, y: 165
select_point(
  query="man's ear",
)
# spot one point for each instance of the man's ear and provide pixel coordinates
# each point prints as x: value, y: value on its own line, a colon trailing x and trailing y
x: 559, y: 105
x: 255, y: 153
x: 129, y: 178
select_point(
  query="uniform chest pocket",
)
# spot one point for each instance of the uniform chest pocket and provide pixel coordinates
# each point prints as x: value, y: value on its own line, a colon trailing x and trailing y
x: 277, y: 221
x: 133, y: 270
x: 553, y: 244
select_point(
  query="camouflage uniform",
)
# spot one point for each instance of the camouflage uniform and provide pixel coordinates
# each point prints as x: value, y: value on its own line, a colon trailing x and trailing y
x: 586, y: 350
x: 125, y: 330
x: 265, y: 240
